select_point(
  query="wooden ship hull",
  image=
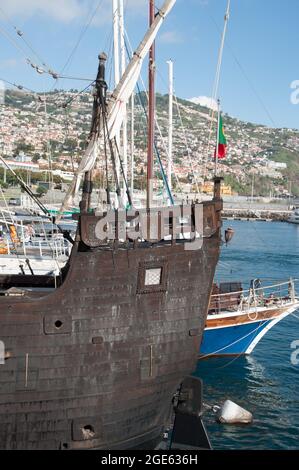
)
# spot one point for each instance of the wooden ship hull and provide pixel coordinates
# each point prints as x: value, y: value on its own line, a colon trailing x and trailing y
x: 94, y: 363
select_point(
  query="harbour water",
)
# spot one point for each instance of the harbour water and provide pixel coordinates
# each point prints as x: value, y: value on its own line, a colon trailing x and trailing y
x: 267, y: 382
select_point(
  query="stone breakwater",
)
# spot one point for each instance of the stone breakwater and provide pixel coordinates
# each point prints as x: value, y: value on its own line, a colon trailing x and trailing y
x: 249, y: 214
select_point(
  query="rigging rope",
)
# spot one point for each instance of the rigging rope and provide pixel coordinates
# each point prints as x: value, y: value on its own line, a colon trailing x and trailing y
x: 6, y: 224
x: 20, y: 34
x: 231, y: 344
x: 36, y: 200
x: 48, y: 144
x: 19, y: 87
x: 157, y: 124
x: 217, y: 78
x: 102, y: 91
x: 246, y: 76
x: 81, y: 35
x: 123, y: 173
x: 186, y: 143
x: 30, y: 62
x: 157, y: 152
x: 37, y: 67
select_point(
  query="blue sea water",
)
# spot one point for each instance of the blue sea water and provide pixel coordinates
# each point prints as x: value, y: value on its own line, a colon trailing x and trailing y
x: 265, y: 383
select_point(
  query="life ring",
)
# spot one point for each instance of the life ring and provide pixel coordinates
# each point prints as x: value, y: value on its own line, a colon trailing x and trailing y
x: 250, y: 318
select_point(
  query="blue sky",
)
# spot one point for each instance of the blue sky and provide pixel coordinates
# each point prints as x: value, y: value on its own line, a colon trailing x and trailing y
x: 260, y: 58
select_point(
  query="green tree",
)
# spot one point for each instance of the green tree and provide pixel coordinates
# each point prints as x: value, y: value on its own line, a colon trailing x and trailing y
x: 21, y: 146
x: 41, y: 191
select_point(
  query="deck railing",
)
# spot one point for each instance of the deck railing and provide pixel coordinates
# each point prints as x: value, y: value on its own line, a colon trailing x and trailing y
x: 39, y: 247
x: 249, y: 299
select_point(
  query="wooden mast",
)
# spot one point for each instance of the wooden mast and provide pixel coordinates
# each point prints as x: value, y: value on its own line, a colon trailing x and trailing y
x: 151, y: 114
x: 87, y: 183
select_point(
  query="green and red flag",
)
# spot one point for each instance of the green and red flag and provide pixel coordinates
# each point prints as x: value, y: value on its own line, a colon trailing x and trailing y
x: 222, y: 144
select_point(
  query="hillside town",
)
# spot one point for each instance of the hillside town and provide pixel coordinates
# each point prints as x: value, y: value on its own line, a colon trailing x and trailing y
x: 48, y: 133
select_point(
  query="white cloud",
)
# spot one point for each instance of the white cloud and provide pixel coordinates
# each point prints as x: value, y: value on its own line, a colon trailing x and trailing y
x: 171, y: 37
x: 205, y: 101
x: 104, y: 13
x: 62, y: 10
x: 69, y: 10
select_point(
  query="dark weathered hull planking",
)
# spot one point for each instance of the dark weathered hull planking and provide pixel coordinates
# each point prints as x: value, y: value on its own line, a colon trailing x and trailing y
x: 95, y: 363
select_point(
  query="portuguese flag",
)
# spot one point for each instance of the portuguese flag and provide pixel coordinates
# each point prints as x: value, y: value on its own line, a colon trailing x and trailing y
x: 221, y: 140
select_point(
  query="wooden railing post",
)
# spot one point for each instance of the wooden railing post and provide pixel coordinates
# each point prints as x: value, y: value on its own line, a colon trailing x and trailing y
x: 217, y: 187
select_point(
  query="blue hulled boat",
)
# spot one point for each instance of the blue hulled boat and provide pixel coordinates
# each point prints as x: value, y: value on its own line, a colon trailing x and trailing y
x: 238, y: 319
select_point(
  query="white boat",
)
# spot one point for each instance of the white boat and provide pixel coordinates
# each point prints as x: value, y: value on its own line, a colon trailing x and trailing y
x: 29, y: 245
x: 294, y: 218
x: 40, y: 266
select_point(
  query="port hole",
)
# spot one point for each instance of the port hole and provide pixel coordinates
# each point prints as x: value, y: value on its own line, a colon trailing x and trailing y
x: 58, y: 324
x: 88, y: 432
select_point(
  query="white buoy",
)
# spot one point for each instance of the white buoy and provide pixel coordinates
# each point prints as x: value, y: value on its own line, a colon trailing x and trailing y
x: 231, y: 413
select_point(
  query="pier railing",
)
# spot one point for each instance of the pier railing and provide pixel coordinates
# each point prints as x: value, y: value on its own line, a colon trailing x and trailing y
x: 245, y: 300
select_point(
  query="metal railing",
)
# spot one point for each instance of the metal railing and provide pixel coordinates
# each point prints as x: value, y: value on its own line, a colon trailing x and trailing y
x: 54, y: 247
x: 278, y: 294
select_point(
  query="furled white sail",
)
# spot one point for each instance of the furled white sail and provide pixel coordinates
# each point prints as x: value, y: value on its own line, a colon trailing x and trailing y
x: 117, y: 102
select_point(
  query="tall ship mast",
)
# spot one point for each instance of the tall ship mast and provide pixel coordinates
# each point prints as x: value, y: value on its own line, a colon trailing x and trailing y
x: 93, y: 358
